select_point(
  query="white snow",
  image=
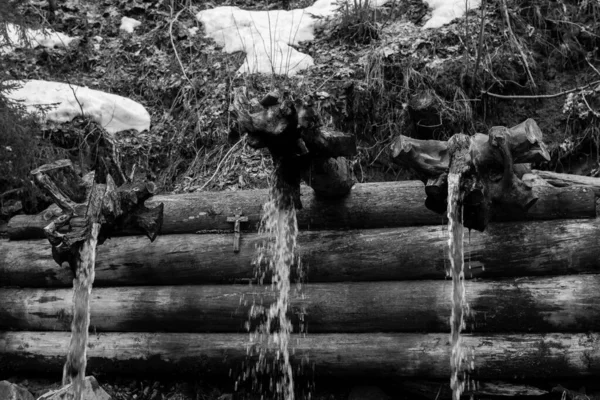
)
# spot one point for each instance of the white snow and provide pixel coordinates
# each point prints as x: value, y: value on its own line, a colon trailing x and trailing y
x: 444, y: 11
x: 266, y: 36
x: 129, y: 24
x: 63, y: 102
x: 33, y: 38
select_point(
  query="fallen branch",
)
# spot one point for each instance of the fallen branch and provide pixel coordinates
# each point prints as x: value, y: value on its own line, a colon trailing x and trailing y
x: 539, y: 96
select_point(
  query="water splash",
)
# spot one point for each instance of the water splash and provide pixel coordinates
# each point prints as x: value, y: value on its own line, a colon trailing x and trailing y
x: 280, y: 226
x: 74, y: 369
x: 460, y: 307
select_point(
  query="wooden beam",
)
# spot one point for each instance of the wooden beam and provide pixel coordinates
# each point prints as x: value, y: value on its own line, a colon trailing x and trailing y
x: 499, y: 356
x: 507, y: 249
x: 369, y: 205
x: 566, y: 180
x: 542, y: 304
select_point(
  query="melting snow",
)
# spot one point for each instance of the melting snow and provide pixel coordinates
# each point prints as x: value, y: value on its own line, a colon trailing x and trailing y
x: 267, y: 36
x: 32, y: 38
x: 444, y: 11
x: 129, y: 24
x: 63, y: 102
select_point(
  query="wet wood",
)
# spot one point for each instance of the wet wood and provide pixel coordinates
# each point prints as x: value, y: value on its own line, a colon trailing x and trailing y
x: 440, y: 389
x: 369, y: 205
x: 506, y: 249
x: 566, y: 180
x: 485, y: 165
x: 542, y: 304
x: 500, y: 356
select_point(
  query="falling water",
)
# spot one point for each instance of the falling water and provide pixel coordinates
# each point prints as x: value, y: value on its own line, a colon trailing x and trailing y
x: 459, y: 303
x: 74, y: 368
x: 278, y: 223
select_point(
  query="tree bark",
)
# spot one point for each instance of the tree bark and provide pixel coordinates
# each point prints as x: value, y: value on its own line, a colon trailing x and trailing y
x: 508, y: 249
x: 542, y: 304
x: 440, y: 390
x: 369, y: 205
x: 500, y: 356
x: 566, y: 180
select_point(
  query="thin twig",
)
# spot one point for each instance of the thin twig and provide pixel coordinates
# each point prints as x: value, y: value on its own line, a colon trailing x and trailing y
x: 175, y: 48
x: 480, y: 46
x: 592, y: 66
x: 221, y: 163
x: 539, y: 96
x: 514, y: 38
x: 10, y: 192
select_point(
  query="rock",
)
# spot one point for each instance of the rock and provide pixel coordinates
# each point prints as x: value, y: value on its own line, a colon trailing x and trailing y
x: 91, y: 391
x: 10, y: 391
x: 367, y: 393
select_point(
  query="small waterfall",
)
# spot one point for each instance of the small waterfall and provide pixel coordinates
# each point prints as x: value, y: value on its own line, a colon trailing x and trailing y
x: 280, y: 227
x: 74, y: 369
x: 459, y: 303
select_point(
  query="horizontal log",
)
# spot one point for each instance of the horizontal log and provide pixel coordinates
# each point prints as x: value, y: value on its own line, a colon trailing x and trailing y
x: 440, y: 390
x: 500, y: 356
x: 564, y: 180
x: 504, y: 249
x: 369, y: 205
x: 557, y: 304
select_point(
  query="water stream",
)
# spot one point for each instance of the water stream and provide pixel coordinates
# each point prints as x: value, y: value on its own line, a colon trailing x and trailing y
x: 458, y: 355
x: 74, y: 369
x: 280, y: 227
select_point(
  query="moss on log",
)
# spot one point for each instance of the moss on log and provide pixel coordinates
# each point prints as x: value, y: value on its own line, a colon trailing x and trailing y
x: 369, y: 205
x: 500, y: 356
x: 557, y: 304
x: 505, y: 249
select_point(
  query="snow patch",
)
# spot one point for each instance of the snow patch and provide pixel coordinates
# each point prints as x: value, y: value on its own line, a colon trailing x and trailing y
x: 445, y: 11
x: 32, y: 38
x: 129, y: 24
x: 267, y: 37
x: 62, y: 102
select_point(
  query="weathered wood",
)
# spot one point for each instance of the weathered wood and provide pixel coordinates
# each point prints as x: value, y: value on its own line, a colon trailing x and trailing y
x: 440, y: 390
x: 500, y: 356
x: 565, y: 180
x: 485, y: 165
x: 542, y: 304
x: 552, y: 203
x: 369, y: 205
x: 291, y: 130
x: 506, y: 249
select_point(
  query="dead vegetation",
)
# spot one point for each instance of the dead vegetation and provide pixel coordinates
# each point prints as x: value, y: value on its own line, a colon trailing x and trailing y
x: 377, y: 75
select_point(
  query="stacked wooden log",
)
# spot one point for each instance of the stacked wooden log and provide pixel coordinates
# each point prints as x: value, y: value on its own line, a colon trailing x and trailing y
x: 375, y: 298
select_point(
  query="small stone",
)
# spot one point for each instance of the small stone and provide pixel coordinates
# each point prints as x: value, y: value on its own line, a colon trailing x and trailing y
x: 146, y: 391
x: 10, y: 391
